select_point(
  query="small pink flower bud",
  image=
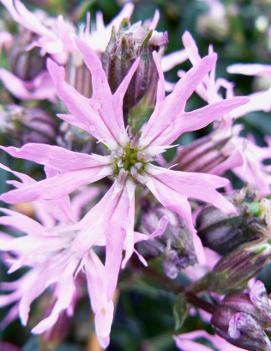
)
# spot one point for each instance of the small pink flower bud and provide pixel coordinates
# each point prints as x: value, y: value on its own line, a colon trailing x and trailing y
x: 243, y: 317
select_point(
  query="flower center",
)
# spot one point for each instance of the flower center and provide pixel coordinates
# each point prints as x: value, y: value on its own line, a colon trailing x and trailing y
x: 129, y: 159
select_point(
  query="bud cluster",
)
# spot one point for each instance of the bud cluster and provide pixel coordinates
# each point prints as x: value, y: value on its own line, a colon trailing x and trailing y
x: 242, y: 318
x: 124, y: 47
x: 175, y: 245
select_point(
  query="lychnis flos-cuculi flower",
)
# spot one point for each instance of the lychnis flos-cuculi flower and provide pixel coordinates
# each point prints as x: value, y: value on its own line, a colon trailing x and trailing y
x: 112, y: 84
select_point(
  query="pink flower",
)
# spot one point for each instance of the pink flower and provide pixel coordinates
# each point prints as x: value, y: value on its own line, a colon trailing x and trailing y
x: 61, y: 248
x: 225, y: 149
x: 55, y: 35
x: 190, y: 342
x: 129, y: 161
x: 129, y: 158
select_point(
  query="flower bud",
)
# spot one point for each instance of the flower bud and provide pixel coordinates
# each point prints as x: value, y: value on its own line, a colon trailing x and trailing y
x: 242, y: 318
x: 76, y: 139
x: 203, y: 154
x: 235, y: 269
x: 223, y: 233
x: 25, y: 63
x: 175, y: 244
x: 27, y: 125
x: 124, y: 47
x: 78, y: 75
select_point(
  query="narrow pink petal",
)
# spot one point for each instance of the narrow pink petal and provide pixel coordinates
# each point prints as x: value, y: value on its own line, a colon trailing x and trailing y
x: 55, y: 187
x: 260, y: 101
x: 115, y: 242
x: 172, y: 200
x: 102, y: 307
x: 190, y: 345
x: 191, y: 48
x: 26, y: 18
x: 160, y: 96
x: 234, y: 160
x: 64, y: 292
x: 11, y: 316
x: 23, y: 177
x: 173, y: 59
x: 34, y: 286
x: 57, y: 157
x: 78, y: 105
x: 200, y: 186
x: 21, y: 222
x: 28, y: 90
x: 174, y: 103
x: 250, y: 69
x: 162, y: 225
x: 126, y: 12
x: 85, y: 197
x: 76, y: 122
x: 200, y: 118
x: 102, y: 94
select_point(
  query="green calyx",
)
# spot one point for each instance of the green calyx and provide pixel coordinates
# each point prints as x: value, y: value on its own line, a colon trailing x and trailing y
x: 130, y: 161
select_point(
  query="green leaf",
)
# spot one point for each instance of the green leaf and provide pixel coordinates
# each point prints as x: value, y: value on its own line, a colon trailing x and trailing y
x: 180, y: 312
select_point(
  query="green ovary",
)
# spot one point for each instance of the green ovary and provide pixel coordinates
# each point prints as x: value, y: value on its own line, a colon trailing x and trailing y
x: 129, y: 161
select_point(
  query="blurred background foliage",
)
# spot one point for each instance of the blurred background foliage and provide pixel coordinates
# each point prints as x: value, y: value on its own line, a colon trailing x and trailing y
x: 240, y: 32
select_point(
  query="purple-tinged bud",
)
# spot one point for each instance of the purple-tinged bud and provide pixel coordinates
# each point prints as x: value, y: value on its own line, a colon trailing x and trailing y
x: 175, y: 245
x: 224, y: 233
x: 124, y: 47
x: 203, y: 154
x: 242, y: 318
x: 78, y: 75
x: 25, y: 63
x: 27, y: 125
x: 74, y: 138
x: 235, y: 269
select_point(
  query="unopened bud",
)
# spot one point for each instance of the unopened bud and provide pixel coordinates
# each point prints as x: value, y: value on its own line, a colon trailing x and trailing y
x: 124, y: 47
x: 242, y: 318
x: 78, y: 75
x: 235, y: 269
x: 76, y: 139
x: 223, y: 233
x: 27, y: 125
x: 25, y: 63
x: 175, y: 244
x: 203, y: 154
